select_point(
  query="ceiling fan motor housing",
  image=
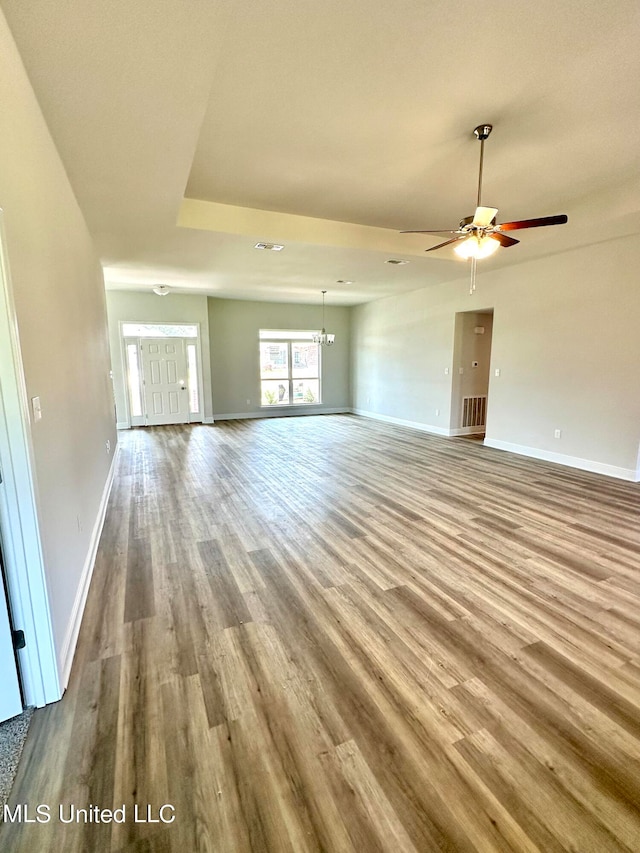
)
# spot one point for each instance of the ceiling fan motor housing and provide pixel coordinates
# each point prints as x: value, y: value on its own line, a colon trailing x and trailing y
x: 469, y: 219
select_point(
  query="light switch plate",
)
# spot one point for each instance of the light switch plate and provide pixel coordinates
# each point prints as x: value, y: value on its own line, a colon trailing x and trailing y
x: 36, y: 409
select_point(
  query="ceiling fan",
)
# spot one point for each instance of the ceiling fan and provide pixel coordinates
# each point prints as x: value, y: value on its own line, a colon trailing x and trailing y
x: 479, y: 236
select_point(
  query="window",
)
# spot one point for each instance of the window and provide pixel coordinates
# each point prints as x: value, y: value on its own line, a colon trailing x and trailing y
x: 289, y: 368
x: 159, y: 330
x: 192, y: 379
x: 135, y: 385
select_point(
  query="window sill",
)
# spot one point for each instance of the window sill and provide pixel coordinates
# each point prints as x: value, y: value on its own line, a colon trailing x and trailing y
x: 289, y: 405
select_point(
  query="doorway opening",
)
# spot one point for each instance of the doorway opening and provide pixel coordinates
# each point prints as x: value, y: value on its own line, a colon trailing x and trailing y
x: 472, y: 366
x: 163, y: 369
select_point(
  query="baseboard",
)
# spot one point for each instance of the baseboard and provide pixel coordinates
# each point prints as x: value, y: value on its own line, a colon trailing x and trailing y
x: 435, y: 430
x: 123, y: 425
x: 207, y: 420
x: 71, y: 638
x: 291, y: 411
x: 563, y: 459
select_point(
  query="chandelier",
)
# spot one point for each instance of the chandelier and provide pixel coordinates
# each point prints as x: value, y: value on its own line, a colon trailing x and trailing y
x: 322, y: 337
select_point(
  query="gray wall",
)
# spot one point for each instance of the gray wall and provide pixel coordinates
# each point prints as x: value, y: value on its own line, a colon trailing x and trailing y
x: 234, y: 326
x: 147, y: 307
x: 565, y: 338
x: 59, y: 299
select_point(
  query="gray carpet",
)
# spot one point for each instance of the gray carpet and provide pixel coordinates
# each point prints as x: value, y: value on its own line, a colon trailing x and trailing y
x: 13, y: 734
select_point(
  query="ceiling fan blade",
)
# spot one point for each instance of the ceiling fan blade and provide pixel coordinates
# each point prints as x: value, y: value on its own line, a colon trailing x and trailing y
x: 444, y: 231
x: 483, y: 216
x: 446, y: 243
x: 534, y: 223
x: 503, y: 239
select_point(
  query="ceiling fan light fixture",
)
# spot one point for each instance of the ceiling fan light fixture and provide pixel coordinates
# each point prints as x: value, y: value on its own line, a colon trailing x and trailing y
x: 476, y: 247
x: 161, y: 289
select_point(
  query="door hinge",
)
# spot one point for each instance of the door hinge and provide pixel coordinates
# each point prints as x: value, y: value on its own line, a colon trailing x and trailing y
x: 19, y: 641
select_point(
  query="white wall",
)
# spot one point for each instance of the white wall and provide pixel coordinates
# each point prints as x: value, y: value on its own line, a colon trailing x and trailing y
x: 59, y: 299
x: 234, y: 326
x: 565, y: 338
x: 149, y: 308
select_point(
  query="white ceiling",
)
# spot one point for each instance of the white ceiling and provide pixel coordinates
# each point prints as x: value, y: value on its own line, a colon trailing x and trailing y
x: 329, y: 127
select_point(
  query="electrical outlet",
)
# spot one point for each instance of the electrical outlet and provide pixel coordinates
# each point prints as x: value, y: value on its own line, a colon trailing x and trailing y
x: 461, y: 370
x: 496, y: 372
x: 248, y: 402
x: 446, y: 371
x: 557, y: 433
x: 437, y: 412
x: 108, y: 445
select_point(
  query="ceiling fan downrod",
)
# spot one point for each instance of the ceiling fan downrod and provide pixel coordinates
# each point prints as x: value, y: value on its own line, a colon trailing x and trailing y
x: 482, y: 132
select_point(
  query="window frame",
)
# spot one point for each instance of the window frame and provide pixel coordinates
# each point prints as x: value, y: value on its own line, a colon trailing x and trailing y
x: 289, y: 338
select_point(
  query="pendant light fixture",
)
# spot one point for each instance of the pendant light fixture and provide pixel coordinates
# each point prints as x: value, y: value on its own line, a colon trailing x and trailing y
x: 322, y: 337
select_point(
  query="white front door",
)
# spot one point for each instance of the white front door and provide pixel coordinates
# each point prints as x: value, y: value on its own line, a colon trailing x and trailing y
x: 10, y: 699
x: 164, y: 370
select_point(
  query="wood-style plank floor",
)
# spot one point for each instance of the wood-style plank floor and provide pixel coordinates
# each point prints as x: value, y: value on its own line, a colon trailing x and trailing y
x: 330, y: 634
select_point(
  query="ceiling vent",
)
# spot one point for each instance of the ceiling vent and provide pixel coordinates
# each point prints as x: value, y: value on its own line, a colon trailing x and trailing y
x: 272, y: 247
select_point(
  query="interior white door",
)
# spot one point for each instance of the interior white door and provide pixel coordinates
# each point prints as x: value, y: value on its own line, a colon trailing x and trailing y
x: 10, y: 699
x: 164, y: 370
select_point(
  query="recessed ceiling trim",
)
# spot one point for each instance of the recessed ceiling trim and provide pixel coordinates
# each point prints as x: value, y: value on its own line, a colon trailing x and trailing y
x: 288, y: 227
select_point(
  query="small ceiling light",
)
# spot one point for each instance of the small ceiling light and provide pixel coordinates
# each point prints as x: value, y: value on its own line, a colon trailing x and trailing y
x: 271, y: 247
x: 396, y: 261
x: 476, y: 247
x: 161, y: 289
x: 344, y: 281
x: 322, y: 337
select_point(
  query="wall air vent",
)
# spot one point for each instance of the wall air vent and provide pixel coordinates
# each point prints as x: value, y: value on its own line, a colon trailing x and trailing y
x: 272, y: 247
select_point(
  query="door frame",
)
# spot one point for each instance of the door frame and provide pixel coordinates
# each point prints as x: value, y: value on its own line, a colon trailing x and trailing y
x: 125, y: 370
x: 19, y: 517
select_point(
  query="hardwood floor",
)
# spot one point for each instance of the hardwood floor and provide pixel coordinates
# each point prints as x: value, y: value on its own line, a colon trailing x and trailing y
x: 330, y: 634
